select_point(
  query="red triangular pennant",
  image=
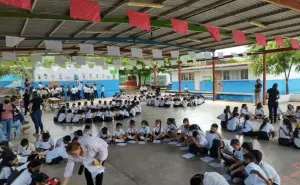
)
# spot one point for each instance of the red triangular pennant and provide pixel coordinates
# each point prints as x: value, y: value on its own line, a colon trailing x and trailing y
x: 294, y: 43
x: 85, y: 9
x: 139, y: 19
x: 179, y: 26
x: 279, y: 40
x: 239, y: 36
x: 25, y: 4
x: 260, y: 39
x: 213, y: 31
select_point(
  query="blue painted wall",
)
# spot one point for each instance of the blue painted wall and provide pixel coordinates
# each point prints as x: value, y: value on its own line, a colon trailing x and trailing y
x: 8, y: 79
x: 206, y: 86
x: 111, y: 86
x: 190, y: 84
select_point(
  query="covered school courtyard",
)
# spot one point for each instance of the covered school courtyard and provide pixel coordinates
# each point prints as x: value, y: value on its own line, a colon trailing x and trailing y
x: 147, y: 34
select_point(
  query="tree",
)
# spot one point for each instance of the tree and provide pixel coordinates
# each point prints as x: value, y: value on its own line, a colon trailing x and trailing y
x: 277, y: 63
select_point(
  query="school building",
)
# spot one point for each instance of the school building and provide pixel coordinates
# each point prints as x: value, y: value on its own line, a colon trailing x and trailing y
x: 234, y: 81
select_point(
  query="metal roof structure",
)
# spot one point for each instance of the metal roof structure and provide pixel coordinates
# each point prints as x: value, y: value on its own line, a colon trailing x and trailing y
x: 49, y: 20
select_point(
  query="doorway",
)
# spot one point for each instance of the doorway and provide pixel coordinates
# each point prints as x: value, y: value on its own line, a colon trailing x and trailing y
x: 218, y: 82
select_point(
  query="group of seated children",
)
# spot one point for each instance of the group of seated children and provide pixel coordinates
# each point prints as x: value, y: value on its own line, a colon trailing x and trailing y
x: 167, y: 100
x: 235, y: 122
x: 97, y: 113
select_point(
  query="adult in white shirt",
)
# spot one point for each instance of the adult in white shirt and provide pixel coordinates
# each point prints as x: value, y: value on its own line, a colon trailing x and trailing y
x: 94, y: 150
x: 209, y: 178
x: 102, y: 91
x: 25, y: 178
x: 40, y: 86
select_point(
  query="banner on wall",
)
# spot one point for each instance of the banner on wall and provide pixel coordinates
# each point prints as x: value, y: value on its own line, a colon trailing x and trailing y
x: 73, y: 74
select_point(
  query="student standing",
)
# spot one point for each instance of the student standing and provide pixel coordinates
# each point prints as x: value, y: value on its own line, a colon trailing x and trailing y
x: 36, y: 112
x: 102, y: 91
x: 95, y: 91
x: 79, y: 90
x: 6, y: 117
x: 257, y: 90
x: 74, y: 95
x: 273, y: 96
x: 91, y: 148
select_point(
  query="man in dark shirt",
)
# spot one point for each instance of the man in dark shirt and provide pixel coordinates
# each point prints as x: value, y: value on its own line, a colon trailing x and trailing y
x: 257, y: 90
x: 36, y: 113
x: 273, y: 96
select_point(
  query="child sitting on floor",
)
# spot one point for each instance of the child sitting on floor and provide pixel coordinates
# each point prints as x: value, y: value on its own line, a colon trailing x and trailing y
x: 234, y: 124
x: 266, y: 130
x: 88, y: 116
x: 286, y: 133
x: 45, y: 143
x: 119, y: 115
x: 184, y: 129
x: 26, y: 148
x: 119, y: 134
x: 131, y: 131
x: 224, y: 119
x: 104, y: 134
x: 144, y: 133
x: 57, y: 155
x: 98, y: 116
x: 69, y: 116
x: 171, y: 128
x: 108, y: 115
x: 132, y: 111
x: 248, y: 127
x: 158, y: 131
x: 212, y: 134
x: 290, y: 113
x: 198, y: 144
x: 296, y: 135
x: 259, y: 111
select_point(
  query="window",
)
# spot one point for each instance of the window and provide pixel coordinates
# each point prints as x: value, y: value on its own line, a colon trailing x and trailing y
x: 244, y: 74
x: 235, y: 74
x: 226, y: 75
x: 187, y: 76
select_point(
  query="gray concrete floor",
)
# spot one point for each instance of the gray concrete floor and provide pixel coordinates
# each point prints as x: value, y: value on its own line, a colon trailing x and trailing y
x: 162, y: 164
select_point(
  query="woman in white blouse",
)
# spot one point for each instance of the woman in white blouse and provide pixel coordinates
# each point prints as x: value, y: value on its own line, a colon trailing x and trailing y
x: 286, y: 133
x: 89, y: 150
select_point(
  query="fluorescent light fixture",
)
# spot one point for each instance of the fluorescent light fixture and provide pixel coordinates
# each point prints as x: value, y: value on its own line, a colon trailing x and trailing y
x: 145, y: 4
x: 98, y: 31
x: 193, y: 40
x: 258, y: 24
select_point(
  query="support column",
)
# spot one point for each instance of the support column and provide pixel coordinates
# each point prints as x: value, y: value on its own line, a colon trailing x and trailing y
x: 154, y: 74
x: 179, y: 77
x: 214, y: 78
x: 264, y: 79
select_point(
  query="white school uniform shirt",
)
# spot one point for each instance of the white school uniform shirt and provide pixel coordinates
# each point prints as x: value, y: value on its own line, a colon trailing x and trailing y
x: 76, y: 118
x: 214, y: 178
x: 233, y: 123
x: 244, y: 111
x: 118, y: 133
x: 80, y: 86
x: 297, y: 114
x: 85, y: 89
x: 227, y: 147
x: 101, y: 135
x: 56, y: 152
x: 120, y: 112
x: 132, y: 130
x: 132, y: 111
x: 99, y: 114
x: 171, y: 128
x: 203, y: 141
x: 94, y: 88
x: 222, y: 117
x: 290, y: 111
x: 268, y: 128
x: 60, y: 142
x: 279, y: 111
x: 88, y: 115
x: 156, y: 130
x: 162, y: 103
x: 102, y: 89
x: 156, y: 103
x: 259, y: 111
x: 5, y: 172
x: 253, y: 179
x: 247, y: 127
x: 148, y: 101
x: 107, y: 114
x: 238, y: 154
x: 168, y: 102
x: 136, y: 109
x: 210, y: 137
x: 93, y: 148
x: 126, y: 113
x: 270, y: 172
x: 23, y: 179
x: 282, y: 134
x: 61, y: 117
x: 69, y: 117
x: 297, y: 140
x: 44, y: 145
x: 145, y: 130
x: 25, y: 151
x: 184, y: 103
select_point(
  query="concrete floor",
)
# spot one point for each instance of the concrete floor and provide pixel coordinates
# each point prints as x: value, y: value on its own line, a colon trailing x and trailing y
x: 162, y: 164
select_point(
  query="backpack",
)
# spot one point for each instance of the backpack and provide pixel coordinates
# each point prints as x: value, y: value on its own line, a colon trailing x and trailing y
x: 14, y: 175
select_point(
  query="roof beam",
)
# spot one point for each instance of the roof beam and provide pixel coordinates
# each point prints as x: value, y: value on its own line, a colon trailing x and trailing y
x: 56, y: 27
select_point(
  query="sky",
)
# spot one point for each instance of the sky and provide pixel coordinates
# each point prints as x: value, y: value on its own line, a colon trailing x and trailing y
x: 238, y: 50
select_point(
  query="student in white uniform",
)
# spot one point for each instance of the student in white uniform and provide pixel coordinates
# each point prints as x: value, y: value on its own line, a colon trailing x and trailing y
x: 87, y: 131
x: 119, y: 115
x: 62, y: 115
x: 9, y: 161
x: 259, y: 111
x: 198, y: 144
x: 131, y: 131
x: 290, y: 112
x: 57, y: 155
x: 138, y: 108
x: 26, y: 148
x: 61, y: 142
x: 234, y: 124
x: 26, y: 175
x: 98, y: 116
x: 88, y: 116
x: 270, y: 172
x: 104, y: 134
x: 266, y: 130
x: 248, y: 127
x: 209, y: 178
x: 296, y: 135
x: 69, y: 116
x: 256, y: 175
x: 286, y: 133
x: 220, y: 149
x: 108, y: 115
x: 237, y: 153
x: 156, y: 102
x: 92, y: 148
x: 132, y: 111
x: 119, y: 134
x: 244, y: 111
x: 184, y: 129
x: 212, y: 134
x: 171, y: 131
x: 45, y: 143
x: 224, y: 118
x: 144, y: 133
x: 158, y: 131
x: 184, y: 103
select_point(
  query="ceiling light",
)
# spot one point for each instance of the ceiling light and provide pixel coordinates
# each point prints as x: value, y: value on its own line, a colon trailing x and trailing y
x: 258, y: 24
x: 145, y: 4
x: 99, y: 31
x: 193, y: 40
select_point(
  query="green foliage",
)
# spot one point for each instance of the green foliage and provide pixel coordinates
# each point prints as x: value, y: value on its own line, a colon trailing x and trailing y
x: 277, y: 63
x: 20, y: 71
